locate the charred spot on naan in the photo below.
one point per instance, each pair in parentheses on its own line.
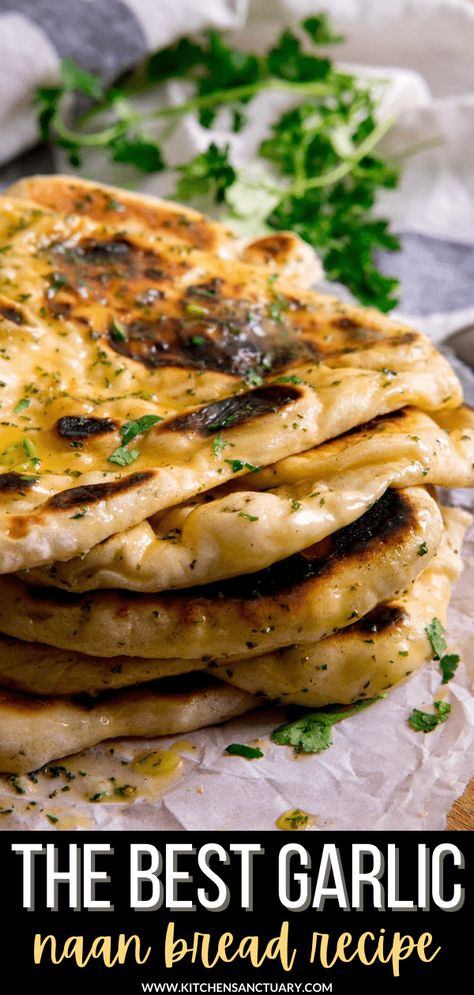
(15,483)
(92,493)
(109,207)
(76,497)
(382,618)
(114,272)
(22,704)
(238,409)
(225,334)
(84,427)
(9,312)
(387,522)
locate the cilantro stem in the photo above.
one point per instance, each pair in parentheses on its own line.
(334,175)
(203,102)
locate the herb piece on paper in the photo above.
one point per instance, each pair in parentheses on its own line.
(428,721)
(312,732)
(241,750)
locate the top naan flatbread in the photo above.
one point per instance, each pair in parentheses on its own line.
(101,326)
(243,527)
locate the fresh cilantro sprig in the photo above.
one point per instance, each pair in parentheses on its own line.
(312,733)
(324,172)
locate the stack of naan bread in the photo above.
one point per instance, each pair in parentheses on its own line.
(216,486)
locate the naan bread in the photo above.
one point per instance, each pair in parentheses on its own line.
(300,599)
(34,668)
(37,730)
(101,326)
(238,531)
(282,252)
(370,656)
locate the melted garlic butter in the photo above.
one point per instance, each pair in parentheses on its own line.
(107,774)
(295,820)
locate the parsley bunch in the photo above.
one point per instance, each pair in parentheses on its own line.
(319,172)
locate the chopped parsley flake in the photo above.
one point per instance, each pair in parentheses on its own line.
(118,331)
(435,633)
(123,456)
(238,464)
(79,514)
(292,379)
(24,403)
(248,518)
(137,427)
(240,750)
(422,549)
(196,311)
(218,445)
(448,666)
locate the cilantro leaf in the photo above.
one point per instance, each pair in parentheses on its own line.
(312,733)
(76,79)
(427,721)
(123,456)
(448,666)
(288,60)
(218,445)
(140,151)
(209,172)
(24,403)
(319,29)
(435,633)
(240,750)
(238,464)
(131,429)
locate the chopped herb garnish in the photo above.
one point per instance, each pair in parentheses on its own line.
(218,445)
(123,456)
(312,733)
(422,549)
(30,451)
(197,311)
(133,428)
(435,633)
(97,797)
(289,379)
(448,666)
(427,721)
(118,331)
(52,818)
(253,379)
(240,750)
(249,518)
(79,514)
(238,464)
(24,403)
(295,505)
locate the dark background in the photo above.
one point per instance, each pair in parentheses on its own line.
(451,930)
